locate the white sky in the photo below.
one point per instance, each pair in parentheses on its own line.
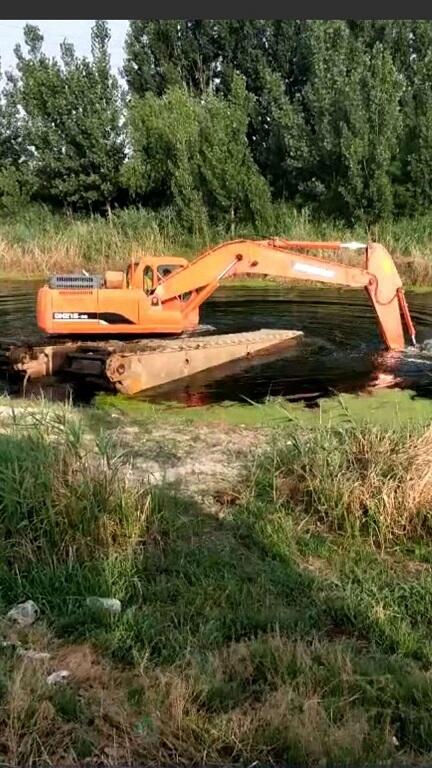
(54,32)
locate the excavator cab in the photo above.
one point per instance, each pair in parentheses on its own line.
(150,271)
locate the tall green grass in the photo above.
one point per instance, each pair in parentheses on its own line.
(294,625)
(355,479)
(38,241)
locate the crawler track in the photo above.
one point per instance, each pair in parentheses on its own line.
(133,366)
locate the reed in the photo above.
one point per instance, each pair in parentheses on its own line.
(39,242)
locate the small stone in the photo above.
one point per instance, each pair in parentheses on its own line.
(58,677)
(109,604)
(24,614)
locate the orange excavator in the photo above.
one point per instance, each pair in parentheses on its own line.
(161,297)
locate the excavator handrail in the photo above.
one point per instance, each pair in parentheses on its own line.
(317,245)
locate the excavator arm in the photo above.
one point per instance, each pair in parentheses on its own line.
(288,259)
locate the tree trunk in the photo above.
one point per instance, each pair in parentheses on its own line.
(232,227)
(109,211)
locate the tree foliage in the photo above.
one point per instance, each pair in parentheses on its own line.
(15,187)
(232,184)
(72,121)
(193,155)
(222,118)
(163,169)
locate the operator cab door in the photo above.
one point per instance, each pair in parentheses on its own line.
(153,275)
(149,283)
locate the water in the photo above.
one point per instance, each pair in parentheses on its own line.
(341,350)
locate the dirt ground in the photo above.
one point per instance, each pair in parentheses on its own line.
(206,460)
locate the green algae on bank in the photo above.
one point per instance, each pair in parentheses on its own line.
(384,407)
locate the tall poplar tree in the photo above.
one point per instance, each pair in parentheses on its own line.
(72,120)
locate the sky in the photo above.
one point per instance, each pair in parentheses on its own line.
(54,32)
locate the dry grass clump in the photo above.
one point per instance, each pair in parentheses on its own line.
(88,716)
(358,479)
(264,699)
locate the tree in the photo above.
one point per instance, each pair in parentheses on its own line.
(192,155)
(72,119)
(163,170)
(324,57)
(233,187)
(284,152)
(336,138)
(163,54)
(370,135)
(15,173)
(420,137)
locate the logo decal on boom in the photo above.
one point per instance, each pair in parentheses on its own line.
(309,269)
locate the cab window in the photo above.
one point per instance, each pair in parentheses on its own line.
(164,270)
(147,279)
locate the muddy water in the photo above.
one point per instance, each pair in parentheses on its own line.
(341,350)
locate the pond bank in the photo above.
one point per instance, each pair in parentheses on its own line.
(76,246)
(294,589)
(205,450)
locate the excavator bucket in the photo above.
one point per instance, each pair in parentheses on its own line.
(386,293)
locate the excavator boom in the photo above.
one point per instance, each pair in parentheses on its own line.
(280,258)
(154,298)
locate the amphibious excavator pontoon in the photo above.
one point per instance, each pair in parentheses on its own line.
(137,329)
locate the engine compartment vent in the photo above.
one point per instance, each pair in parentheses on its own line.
(76,281)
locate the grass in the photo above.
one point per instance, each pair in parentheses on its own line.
(290,623)
(357,480)
(38,242)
